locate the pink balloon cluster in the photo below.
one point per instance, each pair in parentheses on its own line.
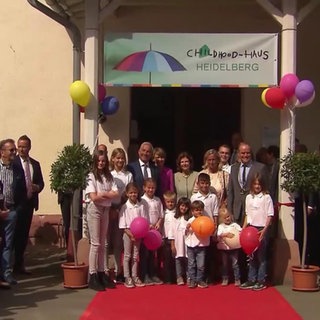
(291,89)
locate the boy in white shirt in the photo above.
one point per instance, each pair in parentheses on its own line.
(196,249)
(170,200)
(211,209)
(154,209)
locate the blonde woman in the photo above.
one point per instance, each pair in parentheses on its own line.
(219,178)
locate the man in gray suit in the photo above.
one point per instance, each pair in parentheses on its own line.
(240,180)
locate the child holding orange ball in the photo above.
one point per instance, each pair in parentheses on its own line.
(196,249)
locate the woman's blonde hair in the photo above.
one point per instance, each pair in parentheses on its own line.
(116,152)
(209,153)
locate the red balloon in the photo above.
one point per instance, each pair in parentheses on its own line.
(139,227)
(203,226)
(249,239)
(153,239)
(275,98)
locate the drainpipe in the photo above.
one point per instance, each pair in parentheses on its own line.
(76,40)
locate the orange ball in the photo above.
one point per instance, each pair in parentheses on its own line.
(203,226)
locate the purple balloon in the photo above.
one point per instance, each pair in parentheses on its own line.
(153,239)
(304,90)
(288,84)
(139,227)
(101,92)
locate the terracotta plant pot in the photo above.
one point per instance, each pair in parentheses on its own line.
(75,277)
(305,279)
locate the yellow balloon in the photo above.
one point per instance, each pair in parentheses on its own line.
(263,97)
(80,93)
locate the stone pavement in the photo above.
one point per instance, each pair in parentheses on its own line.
(41,296)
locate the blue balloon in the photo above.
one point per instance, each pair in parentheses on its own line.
(109,105)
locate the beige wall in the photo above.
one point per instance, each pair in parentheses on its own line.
(36,71)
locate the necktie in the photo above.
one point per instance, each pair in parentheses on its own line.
(244,175)
(145,171)
(27,174)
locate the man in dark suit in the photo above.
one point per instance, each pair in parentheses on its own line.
(34,185)
(240,180)
(14,193)
(143,168)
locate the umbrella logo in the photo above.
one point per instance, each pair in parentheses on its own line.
(149,61)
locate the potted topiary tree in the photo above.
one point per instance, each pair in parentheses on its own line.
(68,175)
(300,174)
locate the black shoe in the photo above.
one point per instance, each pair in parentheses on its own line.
(94,283)
(120,278)
(106,281)
(247,285)
(10,279)
(4,285)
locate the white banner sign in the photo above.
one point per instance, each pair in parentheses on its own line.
(214,60)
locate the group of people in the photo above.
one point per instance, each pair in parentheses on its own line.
(21,182)
(234,195)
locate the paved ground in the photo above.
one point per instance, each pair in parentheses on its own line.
(42,296)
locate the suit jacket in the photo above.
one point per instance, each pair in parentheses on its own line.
(135,169)
(36,178)
(237,194)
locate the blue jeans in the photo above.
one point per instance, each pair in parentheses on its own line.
(7,227)
(196,263)
(258,261)
(181,267)
(232,255)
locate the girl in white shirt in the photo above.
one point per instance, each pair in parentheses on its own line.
(128,212)
(259,212)
(177,236)
(122,178)
(100,190)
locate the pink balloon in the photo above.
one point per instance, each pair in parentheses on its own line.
(101,92)
(152,240)
(139,227)
(249,239)
(288,84)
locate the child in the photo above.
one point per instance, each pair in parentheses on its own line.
(100,190)
(130,210)
(211,209)
(121,177)
(168,259)
(177,234)
(196,249)
(259,212)
(227,229)
(209,199)
(155,215)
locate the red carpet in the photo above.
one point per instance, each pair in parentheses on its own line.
(168,302)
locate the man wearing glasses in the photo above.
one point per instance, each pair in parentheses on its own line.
(14,192)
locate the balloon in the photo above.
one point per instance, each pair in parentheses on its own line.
(263,97)
(110,105)
(139,227)
(275,98)
(288,84)
(203,226)
(304,90)
(306,103)
(80,93)
(234,242)
(101,92)
(152,240)
(249,239)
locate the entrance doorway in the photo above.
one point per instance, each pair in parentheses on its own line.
(185,119)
